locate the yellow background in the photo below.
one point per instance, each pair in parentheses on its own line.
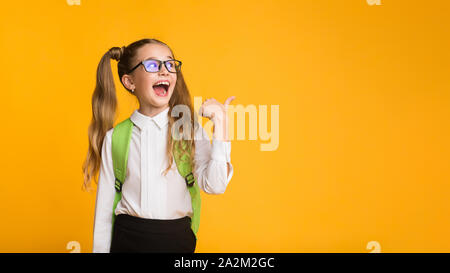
(364,104)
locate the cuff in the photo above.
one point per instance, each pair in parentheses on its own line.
(221,150)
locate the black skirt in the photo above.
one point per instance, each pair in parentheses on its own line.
(134,234)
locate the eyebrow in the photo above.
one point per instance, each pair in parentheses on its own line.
(170,57)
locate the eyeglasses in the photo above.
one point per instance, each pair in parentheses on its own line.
(152,65)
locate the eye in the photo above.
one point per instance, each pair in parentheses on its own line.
(151,65)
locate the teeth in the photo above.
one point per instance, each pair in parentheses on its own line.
(165,83)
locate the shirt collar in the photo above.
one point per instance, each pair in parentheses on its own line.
(142,121)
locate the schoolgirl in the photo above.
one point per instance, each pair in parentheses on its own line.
(154,213)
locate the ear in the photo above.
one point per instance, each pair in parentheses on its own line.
(127,81)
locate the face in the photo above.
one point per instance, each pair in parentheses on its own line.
(152,97)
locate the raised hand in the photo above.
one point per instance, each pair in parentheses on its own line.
(217,113)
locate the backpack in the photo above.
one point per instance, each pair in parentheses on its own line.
(120,147)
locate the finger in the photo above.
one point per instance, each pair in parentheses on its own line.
(210,102)
(229,100)
(202,112)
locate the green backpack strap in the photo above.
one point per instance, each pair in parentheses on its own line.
(184,165)
(120,147)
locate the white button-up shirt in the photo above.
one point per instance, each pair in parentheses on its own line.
(146,192)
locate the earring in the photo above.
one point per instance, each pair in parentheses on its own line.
(132,90)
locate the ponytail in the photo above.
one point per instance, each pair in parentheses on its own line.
(104,104)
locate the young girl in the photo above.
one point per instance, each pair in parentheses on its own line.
(155,211)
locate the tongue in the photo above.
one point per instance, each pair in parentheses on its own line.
(159,90)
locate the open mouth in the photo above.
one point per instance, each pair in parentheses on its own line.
(161,88)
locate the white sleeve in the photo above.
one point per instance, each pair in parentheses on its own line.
(211,163)
(105,199)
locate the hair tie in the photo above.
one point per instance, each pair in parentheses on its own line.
(117,52)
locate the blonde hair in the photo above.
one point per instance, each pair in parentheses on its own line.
(104,105)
